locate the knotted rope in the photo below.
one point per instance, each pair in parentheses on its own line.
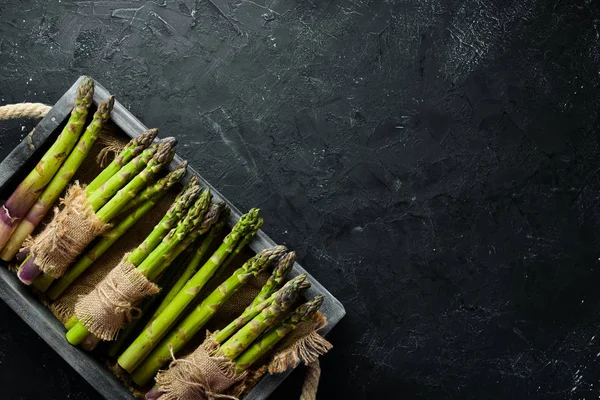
(24,110)
(311,381)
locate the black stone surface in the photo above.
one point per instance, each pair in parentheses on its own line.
(434,163)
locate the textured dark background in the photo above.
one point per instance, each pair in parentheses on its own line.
(434,162)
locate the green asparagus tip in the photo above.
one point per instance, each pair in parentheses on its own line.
(164,150)
(297,280)
(178,173)
(145,138)
(196,213)
(285,297)
(287,260)
(171,139)
(85,91)
(259,223)
(212,216)
(309,308)
(304,285)
(246,223)
(263,259)
(194,181)
(105,108)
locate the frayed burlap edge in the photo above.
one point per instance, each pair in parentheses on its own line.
(112,146)
(68,234)
(202,375)
(112,304)
(306,349)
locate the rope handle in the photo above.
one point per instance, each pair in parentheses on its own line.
(311,381)
(24,110)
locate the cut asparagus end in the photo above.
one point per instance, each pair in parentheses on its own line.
(154,394)
(29,271)
(77,334)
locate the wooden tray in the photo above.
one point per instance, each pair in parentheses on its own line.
(20,297)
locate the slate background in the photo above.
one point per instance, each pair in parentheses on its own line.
(434,163)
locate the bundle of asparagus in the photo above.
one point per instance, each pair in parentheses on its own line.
(213,223)
(195,377)
(87,214)
(151,196)
(58,183)
(266,311)
(19,203)
(149,259)
(145,342)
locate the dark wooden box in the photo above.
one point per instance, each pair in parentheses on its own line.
(22,300)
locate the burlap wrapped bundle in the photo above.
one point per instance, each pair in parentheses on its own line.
(111,305)
(202,375)
(71,230)
(205,375)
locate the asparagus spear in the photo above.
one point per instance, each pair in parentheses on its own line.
(108,189)
(131,150)
(272,337)
(201,314)
(243,243)
(211,216)
(30,188)
(264,301)
(168,222)
(194,263)
(58,183)
(151,266)
(150,192)
(150,336)
(164,155)
(276,279)
(282,301)
(160,189)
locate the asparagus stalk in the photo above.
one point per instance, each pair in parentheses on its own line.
(243,243)
(282,301)
(150,192)
(211,216)
(152,264)
(164,155)
(272,337)
(194,263)
(160,189)
(131,150)
(284,266)
(63,176)
(201,314)
(150,336)
(264,298)
(168,222)
(108,189)
(30,188)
